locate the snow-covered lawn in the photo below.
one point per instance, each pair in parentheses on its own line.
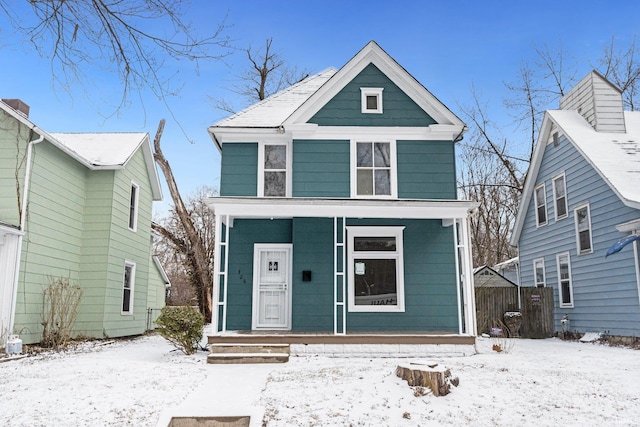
(142,382)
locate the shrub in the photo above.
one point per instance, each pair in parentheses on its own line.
(182,327)
(60,301)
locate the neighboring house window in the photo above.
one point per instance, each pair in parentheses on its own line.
(541,205)
(127,287)
(371,100)
(374,169)
(560,196)
(583,229)
(376,269)
(273,178)
(538,271)
(564,280)
(133,207)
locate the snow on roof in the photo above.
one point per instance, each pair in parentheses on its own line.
(274,110)
(102,149)
(616,156)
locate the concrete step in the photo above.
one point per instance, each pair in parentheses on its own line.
(241,358)
(248,348)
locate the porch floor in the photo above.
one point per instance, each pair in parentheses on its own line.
(288,337)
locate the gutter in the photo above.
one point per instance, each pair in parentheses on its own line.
(27,177)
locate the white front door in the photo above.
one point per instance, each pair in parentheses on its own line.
(272,286)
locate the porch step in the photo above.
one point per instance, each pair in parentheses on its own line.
(248,353)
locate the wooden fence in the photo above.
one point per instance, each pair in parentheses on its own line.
(536,306)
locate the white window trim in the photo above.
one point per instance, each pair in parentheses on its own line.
(535,200)
(575,215)
(393,175)
(371,91)
(135,207)
(398,255)
(571,304)
(261,169)
(131,264)
(555,198)
(535,275)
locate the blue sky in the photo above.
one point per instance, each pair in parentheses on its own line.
(446,45)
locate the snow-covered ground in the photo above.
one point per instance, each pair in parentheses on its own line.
(143,382)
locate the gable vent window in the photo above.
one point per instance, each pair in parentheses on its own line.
(371,99)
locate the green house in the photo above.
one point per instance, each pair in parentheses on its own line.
(76,207)
(338,209)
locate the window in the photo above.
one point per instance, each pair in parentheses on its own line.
(560,196)
(273,178)
(564,280)
(583,229)
(376,280)
(541,205)
(371,100)
(127,287)
(133,207)
(538,271)
(374,169)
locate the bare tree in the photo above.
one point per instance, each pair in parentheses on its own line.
(192,234)
(135,37)
(622,68)
(266,74)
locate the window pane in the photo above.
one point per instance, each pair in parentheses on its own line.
(382,154)
(539,274)
(374,243)
(275,184)
(585,241)
(375,282)
(126,300)
(372,102)
(275,156)
(540,196)
(364,154)
(383,182)
(581,215)
(561,206)
(365,182)
(566,292)
(542,215)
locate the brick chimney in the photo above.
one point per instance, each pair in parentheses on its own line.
(18,105)
(598,101)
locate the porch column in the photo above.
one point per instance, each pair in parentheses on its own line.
(221,253)
(469,289)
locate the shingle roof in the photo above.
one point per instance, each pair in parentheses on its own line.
(274,110)
(616,156)
(102,149)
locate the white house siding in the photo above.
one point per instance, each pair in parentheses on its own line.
(605,290)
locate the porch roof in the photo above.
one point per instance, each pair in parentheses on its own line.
(254,207)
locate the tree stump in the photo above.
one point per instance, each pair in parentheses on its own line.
(437,379)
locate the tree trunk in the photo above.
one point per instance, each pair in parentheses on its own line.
(196,253)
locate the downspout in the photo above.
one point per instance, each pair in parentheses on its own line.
(23,215)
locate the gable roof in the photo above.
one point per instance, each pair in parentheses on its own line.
(372,53)
(297,104)
(614,155)
(99,150)
(495,278)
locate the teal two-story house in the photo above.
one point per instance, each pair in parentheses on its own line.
(338,210)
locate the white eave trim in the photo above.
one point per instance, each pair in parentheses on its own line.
(253,207)
(433,132)
(632,226)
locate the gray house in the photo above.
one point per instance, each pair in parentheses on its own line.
(581,196)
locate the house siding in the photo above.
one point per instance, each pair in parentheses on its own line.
(426,170)
(321,168)
(54,225)
(344,109)
(429,267)
(239,169)
(13,155)
(604,290)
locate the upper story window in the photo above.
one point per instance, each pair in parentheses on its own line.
(538,271)
(127,287)
(133,207)
(565,286)
(560,196)
(541,205)
(374,172)
(583,229)
(272,176)
(376,269)
(371,99)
